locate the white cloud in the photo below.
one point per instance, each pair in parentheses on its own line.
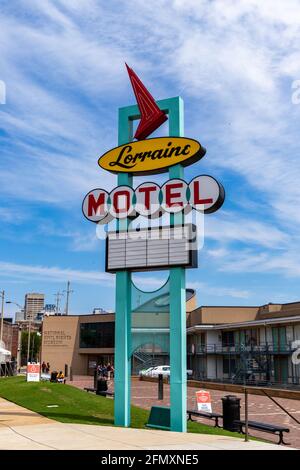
(63,63)
(219,291)
(155,282)
(233,227)
(232,56)
(285,264)
(53,274)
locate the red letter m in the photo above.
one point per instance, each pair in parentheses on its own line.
(96,207)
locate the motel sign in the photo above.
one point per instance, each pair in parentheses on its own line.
(169,247)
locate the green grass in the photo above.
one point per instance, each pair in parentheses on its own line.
(77,406)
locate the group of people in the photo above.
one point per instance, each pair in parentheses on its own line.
(55,376)
(45,367)
(106,371)
(60,377)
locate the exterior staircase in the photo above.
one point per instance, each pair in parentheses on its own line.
(144,360)
(249,366)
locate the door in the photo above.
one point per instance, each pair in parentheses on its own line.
(281,369)
(279,339)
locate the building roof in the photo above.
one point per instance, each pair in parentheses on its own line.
(249,324)
(238,316)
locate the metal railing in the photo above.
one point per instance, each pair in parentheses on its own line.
(8,368)
(290,382)
(265,348)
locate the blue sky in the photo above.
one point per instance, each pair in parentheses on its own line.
(233,63)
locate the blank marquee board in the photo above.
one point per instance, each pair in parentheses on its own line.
(155,248)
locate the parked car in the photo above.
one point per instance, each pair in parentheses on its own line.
(155,371)
(146,372)
(164,370)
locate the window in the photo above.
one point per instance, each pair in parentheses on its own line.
(251,337)
(229,366)
(97,335)
(227,338)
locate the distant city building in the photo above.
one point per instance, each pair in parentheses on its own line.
(20,315)
(34,304)
(11,338)
(50,308)
(99,311)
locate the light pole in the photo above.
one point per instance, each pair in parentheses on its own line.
(58,296)
(68,292)
(32,349)
(14,303)
(28,342)
(2,294)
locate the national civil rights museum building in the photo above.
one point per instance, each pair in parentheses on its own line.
(254,345)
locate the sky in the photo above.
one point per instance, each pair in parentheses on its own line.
(236,64)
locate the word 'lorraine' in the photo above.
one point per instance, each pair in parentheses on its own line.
(152,155)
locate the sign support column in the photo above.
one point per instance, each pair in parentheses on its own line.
(174,108)
(123,305)
(177,298)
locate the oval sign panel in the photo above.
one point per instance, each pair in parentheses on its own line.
(152,155)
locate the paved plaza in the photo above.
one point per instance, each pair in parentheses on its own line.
(144,394)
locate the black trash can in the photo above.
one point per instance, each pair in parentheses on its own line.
(231,412)
(101,386)
(53,376)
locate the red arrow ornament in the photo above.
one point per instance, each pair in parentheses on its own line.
(151,116)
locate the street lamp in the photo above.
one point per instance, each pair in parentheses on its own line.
(2,295)
(32,349)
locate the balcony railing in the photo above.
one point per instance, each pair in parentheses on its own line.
(263,348)
(289,382)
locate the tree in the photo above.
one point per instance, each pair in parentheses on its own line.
(35,346)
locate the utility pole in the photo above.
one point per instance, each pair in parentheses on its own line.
(58,296)
(28,342)
(32,350)
(19,347)
(68,292)
(2,294)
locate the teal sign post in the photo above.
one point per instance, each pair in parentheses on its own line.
(174,108)
(126,253)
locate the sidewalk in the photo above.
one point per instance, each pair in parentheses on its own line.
(15,415)
(23,429)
